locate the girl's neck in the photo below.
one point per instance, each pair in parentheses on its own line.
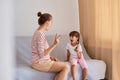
(73,44)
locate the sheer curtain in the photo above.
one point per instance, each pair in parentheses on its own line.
(100,28)
(116,39)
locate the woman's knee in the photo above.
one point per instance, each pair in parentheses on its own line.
(67,67)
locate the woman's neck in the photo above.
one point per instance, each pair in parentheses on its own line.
(41,28)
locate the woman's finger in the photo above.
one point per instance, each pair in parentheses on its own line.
(57,36)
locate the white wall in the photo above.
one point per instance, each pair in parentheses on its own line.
(65,16)
(6,40)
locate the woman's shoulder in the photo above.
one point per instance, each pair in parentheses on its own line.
(38,33)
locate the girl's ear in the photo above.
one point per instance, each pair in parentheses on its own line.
(78,41)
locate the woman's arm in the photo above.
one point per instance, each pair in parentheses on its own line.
(56,41)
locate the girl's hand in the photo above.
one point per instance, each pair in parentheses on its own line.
(56,41)
(76,49)
(79,55)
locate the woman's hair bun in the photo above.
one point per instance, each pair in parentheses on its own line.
(39,14)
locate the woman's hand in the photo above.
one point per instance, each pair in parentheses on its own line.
(66,60)
(53,58)
(56,41)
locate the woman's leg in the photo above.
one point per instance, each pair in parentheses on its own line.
(62,69)
(73,71)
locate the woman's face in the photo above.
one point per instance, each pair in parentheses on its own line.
(48,23)
(73,39)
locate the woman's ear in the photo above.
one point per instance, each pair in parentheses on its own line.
(48,23)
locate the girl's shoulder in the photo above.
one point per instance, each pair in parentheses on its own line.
(68,44)
(79,44)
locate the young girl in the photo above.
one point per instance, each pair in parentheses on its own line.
(74,54)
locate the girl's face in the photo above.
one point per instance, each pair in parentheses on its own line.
(48,23)
(73,39)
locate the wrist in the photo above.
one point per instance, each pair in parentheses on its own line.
(54,45)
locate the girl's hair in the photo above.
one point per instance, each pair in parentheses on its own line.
(76,34)
(43,18)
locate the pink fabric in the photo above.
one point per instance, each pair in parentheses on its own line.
(81,61)
(39,44)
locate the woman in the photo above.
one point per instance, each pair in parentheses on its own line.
(41,59)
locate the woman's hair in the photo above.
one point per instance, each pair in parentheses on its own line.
(76,34)
(43,18)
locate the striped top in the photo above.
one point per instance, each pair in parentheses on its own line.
(39,44)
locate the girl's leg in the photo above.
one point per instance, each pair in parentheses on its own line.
(73,71)
(84,73)
(73,68)
(62,69)
(84,68)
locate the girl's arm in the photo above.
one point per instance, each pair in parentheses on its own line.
(68,55)
(56,41)
(78,52)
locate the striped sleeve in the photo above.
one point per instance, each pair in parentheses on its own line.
(41,44)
